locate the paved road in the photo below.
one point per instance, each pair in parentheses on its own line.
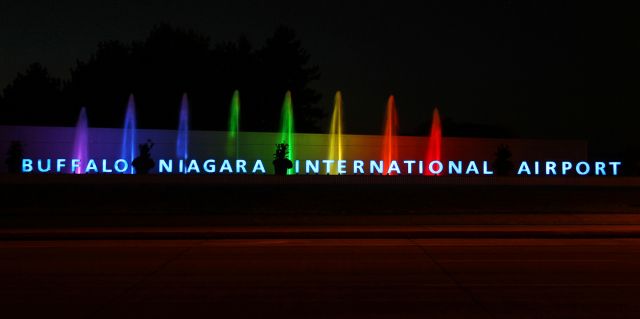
(321,278)
(589,231)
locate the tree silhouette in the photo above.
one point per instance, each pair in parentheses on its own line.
(102,83)
(15,154)
(170,62)
(281,161)
(33,98)
(283,61)
(502,163)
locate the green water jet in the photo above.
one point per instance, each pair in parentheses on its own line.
(233,136)
(287,128)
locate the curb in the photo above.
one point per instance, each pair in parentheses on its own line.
(328,233)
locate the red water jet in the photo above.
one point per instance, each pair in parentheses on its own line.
(390,140)
(435,142)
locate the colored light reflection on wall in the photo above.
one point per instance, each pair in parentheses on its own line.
(329,148)
(390,138)
(435,140)
(287,128)
(335,133)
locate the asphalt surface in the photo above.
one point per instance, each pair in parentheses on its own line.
(321,278)
(318,247)
(324,232)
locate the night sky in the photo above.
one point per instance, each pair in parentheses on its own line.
(545,69)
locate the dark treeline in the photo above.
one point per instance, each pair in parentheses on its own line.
(158,70)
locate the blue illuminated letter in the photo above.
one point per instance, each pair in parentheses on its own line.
(614,166)
(44,169)
(342,167)
(312,166)
(241,166)
(434,171)
(472,168)
(258,166)
(166,166)
(91,166)
(358,167)
(27,165)
(375,167)
(121,165)
(60,163)
(584,171)
(209,166)
(409,166)
(327,165)
(566,166)
(455,167)
(550,168)
(393,167)
(193,166)
(485,168)
(105,168)
(75,164)
(524,168)
(226,167)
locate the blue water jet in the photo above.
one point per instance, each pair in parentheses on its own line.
(128,149)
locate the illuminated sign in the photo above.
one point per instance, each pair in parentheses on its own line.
(325,166)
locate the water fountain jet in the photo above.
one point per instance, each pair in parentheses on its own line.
(81,142)
(390,138)
(128,148)
(335,133)
(287,128)
(435,141)
(233,136)
(182,142)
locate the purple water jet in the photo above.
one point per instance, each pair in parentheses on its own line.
(81,142)
(182,143)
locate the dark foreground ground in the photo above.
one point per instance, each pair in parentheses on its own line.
(318,247)
(321,278)
(304,196)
